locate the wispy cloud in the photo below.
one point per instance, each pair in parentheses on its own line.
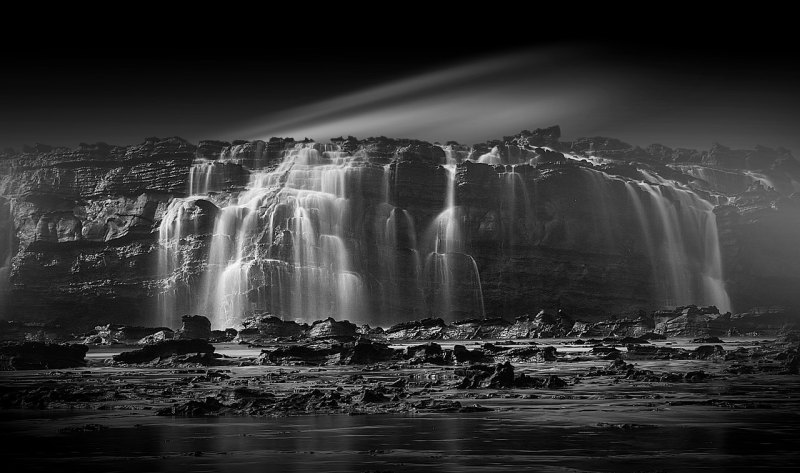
(478,100)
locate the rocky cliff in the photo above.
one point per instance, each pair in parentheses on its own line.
(381,231)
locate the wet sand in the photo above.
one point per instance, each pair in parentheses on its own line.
(729,422)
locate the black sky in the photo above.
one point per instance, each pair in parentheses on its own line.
(686,92)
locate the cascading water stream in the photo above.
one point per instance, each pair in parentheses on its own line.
(180,220)
(679,234)
(448,264)
(304,212)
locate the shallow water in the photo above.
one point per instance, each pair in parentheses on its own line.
(689,438)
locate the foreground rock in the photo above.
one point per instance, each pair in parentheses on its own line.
(37,356)
(201,351)
(503,376)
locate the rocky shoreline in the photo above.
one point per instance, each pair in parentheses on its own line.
(282,368)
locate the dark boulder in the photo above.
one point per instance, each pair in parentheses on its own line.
(462,355)
(474,377)
(427,353)
(194,327)
(503,376)
(38,355)
(366,352)
(705,352)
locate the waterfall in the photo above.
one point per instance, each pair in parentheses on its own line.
(679,235)
(321,235)
(180,220)
(517,203)
(287,245)
(205,177)
(7,249)
(449,266)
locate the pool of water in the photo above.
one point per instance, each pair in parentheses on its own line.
(600,438)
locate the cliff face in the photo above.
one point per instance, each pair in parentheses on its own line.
(382,231)
(83,225)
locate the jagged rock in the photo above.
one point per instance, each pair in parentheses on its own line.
(112,334)
(157,337)
(425,329)
(271,327)
(37,356)
(474,376)
(527,354)
(194,326)
(542,325)
(163,350)
(503,376)
(428,353)
(690,321)
(475,329)
(622,327)
(330,328)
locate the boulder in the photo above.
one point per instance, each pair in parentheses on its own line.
(163,350)
(330,328)
(194,327)
(428,353)
(38,356)
(271,327)
(157,337)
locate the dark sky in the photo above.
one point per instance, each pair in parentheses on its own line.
(448,85)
